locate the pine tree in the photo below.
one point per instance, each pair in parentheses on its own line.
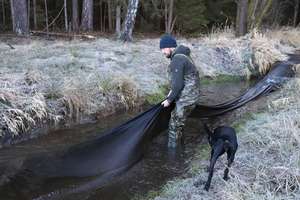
(190,15)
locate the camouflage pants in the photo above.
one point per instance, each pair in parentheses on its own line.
(177,121)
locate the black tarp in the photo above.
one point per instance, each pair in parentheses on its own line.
(124,145)
(279,73)
(120,148)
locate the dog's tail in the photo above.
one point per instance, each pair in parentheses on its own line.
(207,130)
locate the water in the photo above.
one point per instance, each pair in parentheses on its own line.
(157,167)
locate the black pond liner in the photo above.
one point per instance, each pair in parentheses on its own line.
(120,148)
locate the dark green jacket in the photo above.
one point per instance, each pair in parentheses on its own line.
(181,71)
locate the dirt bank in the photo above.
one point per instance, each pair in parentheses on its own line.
(59,82)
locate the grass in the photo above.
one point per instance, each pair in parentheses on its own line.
(157,96)
(34,98)
(286,35)
(74,52)
(239,124)
(150,195)
(224,78)
(267,163)
(265,52)
(43,81)
(201,155)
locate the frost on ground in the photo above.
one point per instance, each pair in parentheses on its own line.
(267,163)
(54,82)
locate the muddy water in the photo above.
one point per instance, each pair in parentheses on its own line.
(157,167)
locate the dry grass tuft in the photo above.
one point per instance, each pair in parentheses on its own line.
(265,52)
(128,91)
(21,114)
(123,87)
(17,121)
(33,76)
(286,35)
(73,104)
(219,33)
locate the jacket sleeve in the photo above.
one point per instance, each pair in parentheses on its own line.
(177,76)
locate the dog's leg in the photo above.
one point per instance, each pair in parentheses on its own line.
(211,156)
(217,152)
(211,171)
(230,158)
(227,169)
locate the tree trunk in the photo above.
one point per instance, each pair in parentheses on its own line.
(166,15)
(110,28)
(28,14)
(34,15)
(87,15)
(276,9)
(263,13)
(101,15)
(118,20)
(75,17)
(104,17)
(66,15)
(237,17)
(296,12)
(20,17)
(169,7)
(3,15)
(253,5)
(12,14)
(169,21)
(46,15)
(130,20)
(242,15)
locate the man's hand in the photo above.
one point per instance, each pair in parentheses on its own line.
(169,93)
(165,103)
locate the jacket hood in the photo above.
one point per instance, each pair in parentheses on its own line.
(181,50)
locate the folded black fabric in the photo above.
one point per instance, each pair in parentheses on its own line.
(118,149)
(124,145)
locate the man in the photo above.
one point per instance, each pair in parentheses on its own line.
(184,82)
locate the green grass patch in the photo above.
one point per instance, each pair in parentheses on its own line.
(221,79)
(202,152)
(74,52)
(157,96)
(106,84)
(238,126)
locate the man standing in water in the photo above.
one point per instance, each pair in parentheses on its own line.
(184,82)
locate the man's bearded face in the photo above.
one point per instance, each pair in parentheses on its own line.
(167,52)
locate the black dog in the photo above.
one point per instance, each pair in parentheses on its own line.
(222,140)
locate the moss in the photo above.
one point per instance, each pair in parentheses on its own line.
(221,79)
(238,126)
(157,96)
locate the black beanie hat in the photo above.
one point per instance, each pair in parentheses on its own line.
(167,41)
